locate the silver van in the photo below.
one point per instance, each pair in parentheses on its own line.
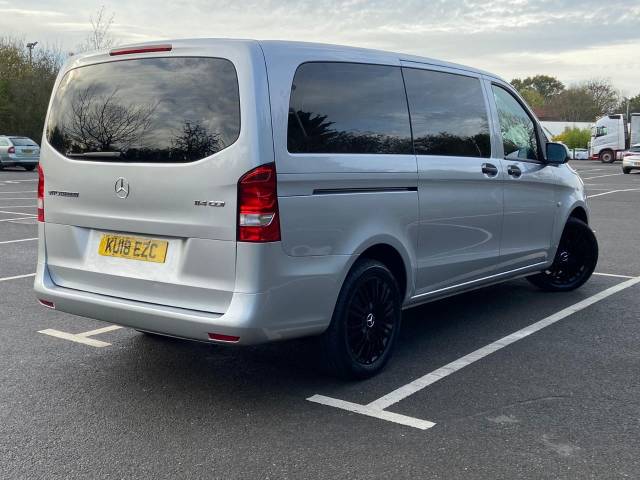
(240,191)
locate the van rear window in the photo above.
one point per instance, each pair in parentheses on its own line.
(155,110)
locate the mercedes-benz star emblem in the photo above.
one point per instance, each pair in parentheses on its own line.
(122,188)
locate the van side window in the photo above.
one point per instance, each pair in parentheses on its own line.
(518,131)
(448,114)
(348,108)
(4,143)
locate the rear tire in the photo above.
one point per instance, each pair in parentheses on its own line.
(365,323)
(626,170)
(607,156)
(575,259)
(29,168)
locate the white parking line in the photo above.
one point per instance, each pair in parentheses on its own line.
(32,206)
(19,240)
(614,191)
(378,407)
(18,191)
(613,275)
(18,213)
(15,277)
(16,198)
(18,181)
(30,217)
(82,337)
(602,176)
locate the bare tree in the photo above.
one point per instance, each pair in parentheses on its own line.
(100,36)
(102,123)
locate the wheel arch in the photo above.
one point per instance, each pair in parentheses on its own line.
(580,213)
(393,255)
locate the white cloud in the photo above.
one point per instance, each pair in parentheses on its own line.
(573,39)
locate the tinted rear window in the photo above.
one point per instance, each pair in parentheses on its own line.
(348,108)
(448,114)
(23,142)
(146,110)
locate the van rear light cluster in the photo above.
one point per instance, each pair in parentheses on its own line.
(141,49)
(40,194)
(11,150)
(258,218)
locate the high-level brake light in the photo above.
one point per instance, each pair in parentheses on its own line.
(141,49)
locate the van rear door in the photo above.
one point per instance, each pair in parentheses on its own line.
(141,163)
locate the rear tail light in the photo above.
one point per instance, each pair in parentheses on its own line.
(141,49)
(40,194)
(258,218)
(11,150)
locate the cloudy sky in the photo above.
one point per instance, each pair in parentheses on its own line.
(571,39)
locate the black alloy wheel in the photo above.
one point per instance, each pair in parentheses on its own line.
(575,259)
(365,322)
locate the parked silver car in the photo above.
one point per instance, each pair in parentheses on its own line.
(238,192)
(631,159)
(18,151)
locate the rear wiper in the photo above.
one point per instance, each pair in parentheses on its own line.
(95,155)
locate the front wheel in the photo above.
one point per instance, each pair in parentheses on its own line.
(626,171)
(29,168)
(574,262)
(607,156)
(365,322)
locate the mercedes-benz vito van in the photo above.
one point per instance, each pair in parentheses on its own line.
(239,191)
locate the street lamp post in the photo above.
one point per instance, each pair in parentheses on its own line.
(31,46)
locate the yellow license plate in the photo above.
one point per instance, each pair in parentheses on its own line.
(133,248)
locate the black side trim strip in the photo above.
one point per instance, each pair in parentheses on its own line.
(331,191)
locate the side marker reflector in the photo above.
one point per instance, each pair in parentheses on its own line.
(219,337)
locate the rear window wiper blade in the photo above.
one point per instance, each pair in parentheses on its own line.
(95,155)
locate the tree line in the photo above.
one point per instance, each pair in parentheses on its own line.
(582,102)
(27,78)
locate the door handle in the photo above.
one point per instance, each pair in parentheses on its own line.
(489,169)
(514,171)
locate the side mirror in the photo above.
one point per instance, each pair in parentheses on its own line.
(556,153)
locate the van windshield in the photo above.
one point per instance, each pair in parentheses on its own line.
(176,109)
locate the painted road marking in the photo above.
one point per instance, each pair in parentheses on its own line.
(613,275)
(614,191)
(18,213)
(19,240)
(15,277)
(18,191)
(602,176)
(378,407)
(34,206)
(30,217)
(16,198)
(372,412)
(18,181)
(83,337)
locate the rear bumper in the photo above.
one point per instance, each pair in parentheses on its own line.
(249,316)
(298,302)
(13,161)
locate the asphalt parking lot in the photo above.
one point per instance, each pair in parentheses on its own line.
(551,388)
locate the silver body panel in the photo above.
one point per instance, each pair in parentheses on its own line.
(454,228)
